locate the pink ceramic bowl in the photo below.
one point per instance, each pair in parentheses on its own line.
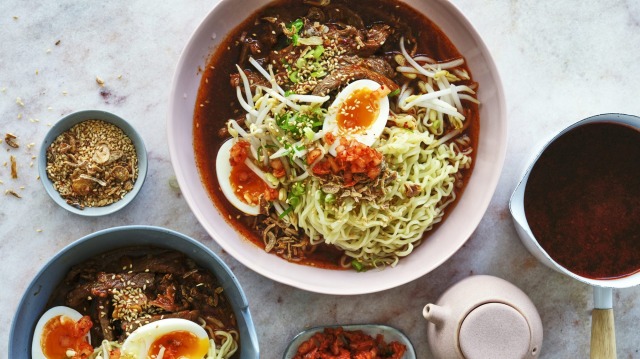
(443,243)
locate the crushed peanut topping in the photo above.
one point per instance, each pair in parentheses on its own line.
(93,164)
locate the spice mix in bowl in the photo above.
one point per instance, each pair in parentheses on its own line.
(92,163)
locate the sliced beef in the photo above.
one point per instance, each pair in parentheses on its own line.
(375,63)
(346,74)
(343,15)
(103,308)
(166,298)
(375,38)
(316,14)
(380,65)
(251,47)
(106,282)
(255,79)
(167,262)
(360,42)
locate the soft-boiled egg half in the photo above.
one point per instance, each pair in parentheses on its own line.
(173,337)
(55,334)
(239,184)
(360,111)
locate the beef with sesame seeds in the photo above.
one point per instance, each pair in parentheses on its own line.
(375,37)
(361,42)
(166,262)
(130,287)
(374,63)
(105,282)
(347,74)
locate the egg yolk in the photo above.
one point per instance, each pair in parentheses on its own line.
(180,344)
(359,110)
(246,184)
(60,334)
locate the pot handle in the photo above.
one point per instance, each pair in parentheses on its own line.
(603,331)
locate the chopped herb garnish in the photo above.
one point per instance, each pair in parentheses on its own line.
(359,267)
(296,25)
(396,92)
(297,125)
(318,51)
(293,76)
(330,198)
(294,197)
(295,28)
(285,212)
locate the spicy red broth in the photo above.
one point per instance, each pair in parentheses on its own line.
(582,200)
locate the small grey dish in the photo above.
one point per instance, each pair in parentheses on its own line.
(390,334)
(36,296)
(65,124)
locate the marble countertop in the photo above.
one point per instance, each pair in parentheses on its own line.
(560,61)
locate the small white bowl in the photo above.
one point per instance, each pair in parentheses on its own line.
(460,223)
(65,124)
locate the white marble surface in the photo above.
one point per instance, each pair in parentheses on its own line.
(560,61)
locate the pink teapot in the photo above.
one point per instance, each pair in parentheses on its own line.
(483,317)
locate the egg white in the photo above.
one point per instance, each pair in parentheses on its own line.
(36,348)
(371,134)
(223,171)
(138,343)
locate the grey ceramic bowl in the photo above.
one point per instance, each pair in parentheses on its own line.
(390,334)
(73,119)
(32,304)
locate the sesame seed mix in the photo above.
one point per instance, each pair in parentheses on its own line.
(93,164)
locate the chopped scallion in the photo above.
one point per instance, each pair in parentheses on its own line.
(318,51)
(359,267)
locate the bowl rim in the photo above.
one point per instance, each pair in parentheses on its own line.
(242,311)
(70,120)
(490,183)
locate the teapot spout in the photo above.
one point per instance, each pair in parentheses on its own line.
(435,314)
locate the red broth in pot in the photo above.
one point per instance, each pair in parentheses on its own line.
(582,200)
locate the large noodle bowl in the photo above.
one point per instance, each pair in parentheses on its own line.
(346,134)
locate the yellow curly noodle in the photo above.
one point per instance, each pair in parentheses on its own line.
(381,232)
(228,347)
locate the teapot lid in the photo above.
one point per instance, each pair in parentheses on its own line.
(494,330)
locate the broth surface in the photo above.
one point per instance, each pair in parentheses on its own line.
(582,200)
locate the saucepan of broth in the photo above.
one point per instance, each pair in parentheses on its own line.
(577,210)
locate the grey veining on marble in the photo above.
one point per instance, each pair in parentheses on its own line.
(560,61)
